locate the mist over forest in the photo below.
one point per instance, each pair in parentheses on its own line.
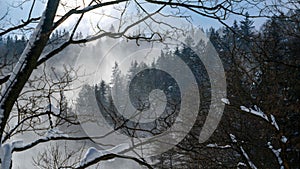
(146,99)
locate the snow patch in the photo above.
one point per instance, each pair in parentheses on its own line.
(5,156)
(276,153)
(248,159)
(283,139)
(1,115)
(6,153)
(251,164)
(119,148)
(215,145)
(241,164)
(55,133)
(17,144)
(256,112)
(93,153)
(226,101)
(273,122)
(233,138)
(52,109)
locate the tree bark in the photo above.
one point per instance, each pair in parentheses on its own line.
(27,63)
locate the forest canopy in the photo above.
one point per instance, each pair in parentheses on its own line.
(43,63)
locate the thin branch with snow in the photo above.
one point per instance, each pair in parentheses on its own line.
(244,153)
(277,154)
(94,156)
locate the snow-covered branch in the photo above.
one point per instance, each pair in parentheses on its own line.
(215,145)
(272,121)
(6,151)
(22,71)
(277,154)
(256,112)
(26,63)
(244,153)
(51,135)
(94,156)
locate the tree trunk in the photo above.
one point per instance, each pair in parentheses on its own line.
(26,63)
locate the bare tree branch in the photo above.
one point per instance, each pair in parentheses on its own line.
(19,26)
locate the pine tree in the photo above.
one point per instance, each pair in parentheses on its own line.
(86,102)
(132,70)
(9,41)
(102,91)
(214,39)
(116,76)
(117,86)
